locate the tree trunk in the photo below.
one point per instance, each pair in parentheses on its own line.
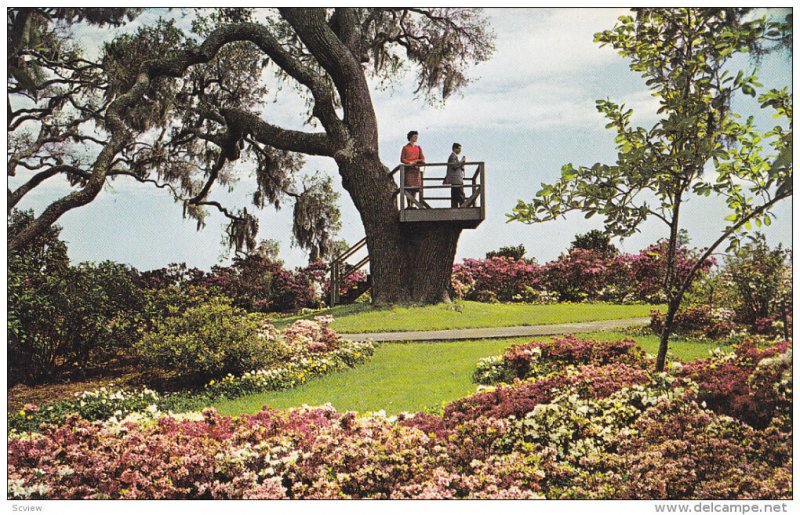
(409,262)
(672,308)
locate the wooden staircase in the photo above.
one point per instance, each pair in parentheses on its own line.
(341,270)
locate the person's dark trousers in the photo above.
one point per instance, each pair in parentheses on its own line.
(457,196)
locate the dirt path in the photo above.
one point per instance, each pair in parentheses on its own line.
(499,332)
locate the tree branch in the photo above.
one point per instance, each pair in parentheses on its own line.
(343,67)
(725,235)
(15,196)
(295,141)
(120,134)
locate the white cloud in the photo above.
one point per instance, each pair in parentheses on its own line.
(539,78)
(537,43)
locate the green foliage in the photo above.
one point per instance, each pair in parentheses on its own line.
(753,282)
(685,57)
(597,241)
(209,340)
(696,127)
(760,277)
(99,404)
(63,318)
(172,300)
(517,253)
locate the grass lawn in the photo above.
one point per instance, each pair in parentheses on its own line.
(414,376)
(361,318)
(680,349)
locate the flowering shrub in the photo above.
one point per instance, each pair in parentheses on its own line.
(254,282)
(580,274)
(521,397)
(293,373)
(677,450)
(209,340)
(750,385)
(350,282)
(99,404)
(697,321)
(311,336)
(577,275)
(309,453)
(310,348)
(596,431)
(504,277)
(760,277)
(644,272)
(576,427)
(538,359)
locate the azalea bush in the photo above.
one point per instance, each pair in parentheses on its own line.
(520,397)
(209,340)
(610,431)
(100,404)
(752,384)
(761,277)
(292,373)
(350,282)
(701,321)
(644,272)
(505,278)
(755,284)
(255,282)
(540,358)
(580,274)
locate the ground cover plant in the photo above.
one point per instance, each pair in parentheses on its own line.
(591,429)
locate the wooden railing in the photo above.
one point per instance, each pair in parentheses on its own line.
(473,187)
(341,270)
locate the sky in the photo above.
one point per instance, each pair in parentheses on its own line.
(529,110)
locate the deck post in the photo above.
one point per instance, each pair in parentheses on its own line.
(483,191)
(402,188)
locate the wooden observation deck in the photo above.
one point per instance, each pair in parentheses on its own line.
(427,208)
(433,204)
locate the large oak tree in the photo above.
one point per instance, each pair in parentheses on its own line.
(180,110)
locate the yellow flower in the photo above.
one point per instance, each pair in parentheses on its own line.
(211,382)
(22,413)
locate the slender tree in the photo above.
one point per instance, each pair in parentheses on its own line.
(180,112)
(699,147)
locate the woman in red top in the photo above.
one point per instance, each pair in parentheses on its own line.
(412,155)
